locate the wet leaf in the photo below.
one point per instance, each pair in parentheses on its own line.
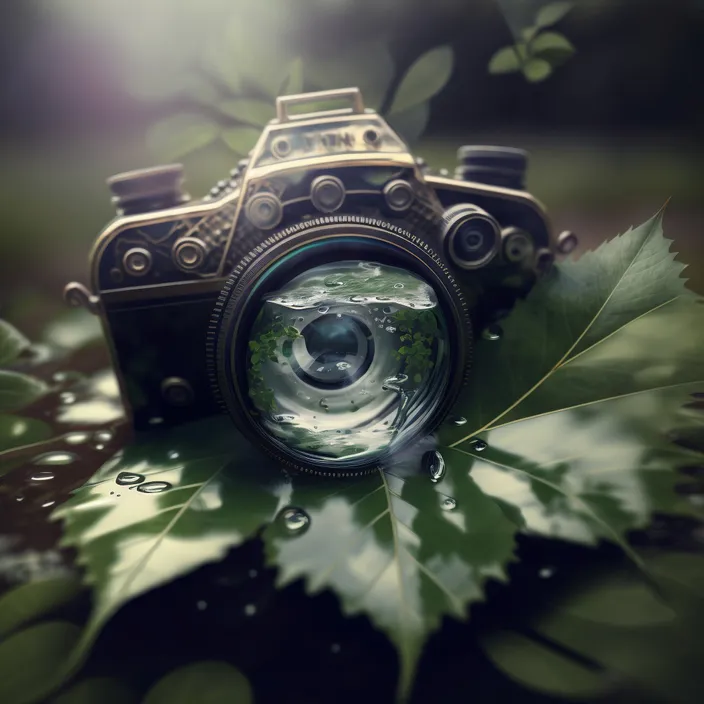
(426,78)
(34,600)
(16,432)
(253,112)
(165,505)
(98,690)
(12,343)
(552,13)
(175,136)
(19,390)
(32,658)
(536,70)
(389,548)
(203,682)
(505,60)
(240,139)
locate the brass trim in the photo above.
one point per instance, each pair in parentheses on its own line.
(352,95)
(162,291)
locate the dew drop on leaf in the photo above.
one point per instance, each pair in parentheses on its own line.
(478,445)
(493,332)
(173,455)
(434,464)
(459,420)
(42,476)
(448,504)
(55,459)
(67,398)
(77,438)
(295,520)
(154,487)
(129,478)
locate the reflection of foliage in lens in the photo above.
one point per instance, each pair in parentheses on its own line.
(262,348)
(418,330)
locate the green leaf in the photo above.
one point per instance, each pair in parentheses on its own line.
(426,78)
(536,70)
(19,390)
(32,658)
(164,506)
(16,432)
(536,666)
(204,682)
(73,330)
(410,124)
(253,112)
(390,549)
(12,343)
(552,47)
(33,600)
(580,393)
(181,134)
(552,13)
(505,60)
(98,690)
(294,81)
(240,139)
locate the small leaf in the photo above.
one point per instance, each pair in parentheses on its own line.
(552,47)
(538,667)
(527,33)
(35,599)
(240,139)
(253,112)
(181,134)
(131,541)
(34,659)
(536,70)
(426,77)
(12,343)
(207,682)
(73,330)
(99,690)
(552,13)
(410,124)
(294,81)
(16,432)
(505,60)
(19,390)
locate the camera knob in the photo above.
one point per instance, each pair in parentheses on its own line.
(148,189)
(495,166)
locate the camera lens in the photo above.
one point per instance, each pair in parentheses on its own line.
(473,237)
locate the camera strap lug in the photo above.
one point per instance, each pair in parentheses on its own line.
(79,296)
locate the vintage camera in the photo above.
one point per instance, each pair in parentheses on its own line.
(324,294)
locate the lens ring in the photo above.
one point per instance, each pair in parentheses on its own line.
(332,238)
(189,253)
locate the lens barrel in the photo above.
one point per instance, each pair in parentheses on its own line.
(472,237)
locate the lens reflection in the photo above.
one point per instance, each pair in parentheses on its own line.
(347,359)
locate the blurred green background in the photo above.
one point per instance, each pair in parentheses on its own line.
(605,94)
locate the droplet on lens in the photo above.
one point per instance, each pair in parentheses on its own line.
(459,420)
(55,458)
(390,328)
(324,403)
(478,445)
(398,285)
(388,310)
(42,476)
(434,464)
(295,520)
(342,366)
(284,418)
(129,478)
(154,487)
(493,332)
(323,309)
(448,504)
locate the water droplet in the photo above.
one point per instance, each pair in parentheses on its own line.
(459,420)
(284,418)
(390,328)
(67,397)
(42,476)
(295,519)
(339,315)
(358,299)
(343,365)
(320,369)
(323,309)
(448,504)
(76,438)
(48,503)
(250,610)
(324,403)
(434,464)
(398,285)
(335,648)
(129,478)
(201,605)
(253,573)
(154,487)
(388,310)
(173,455)
(478,445)
(55,459)
(104,436)
(332,282)
(546,572)
(493,332)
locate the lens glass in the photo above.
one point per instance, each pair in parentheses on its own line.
(347,360)
(474,240)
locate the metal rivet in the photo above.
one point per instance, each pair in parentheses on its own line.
(137,261)
(189,253)
(399,195)
(371,137)
(264,210)
(327,193)
(518,246)
(177,391)
(281,147)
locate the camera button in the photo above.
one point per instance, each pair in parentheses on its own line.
(137,261)
(177,391)
(399,195)
(327,193)
(264,210)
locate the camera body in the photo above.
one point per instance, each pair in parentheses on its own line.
(160,268)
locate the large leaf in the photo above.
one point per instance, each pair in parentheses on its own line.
(506,60)
(12,343)
(16,432)
(404,551)
(164,506)
(426,77)
(240,139)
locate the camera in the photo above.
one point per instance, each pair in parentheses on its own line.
(324,294)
